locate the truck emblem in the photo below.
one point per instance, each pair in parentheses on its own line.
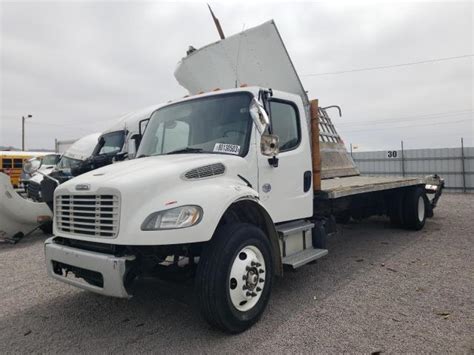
(266,187)
(83,187)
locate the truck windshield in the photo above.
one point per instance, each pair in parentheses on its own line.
(111,143)
(50,159)
(67,163)
(215,124)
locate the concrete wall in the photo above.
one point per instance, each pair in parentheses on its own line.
(446,162)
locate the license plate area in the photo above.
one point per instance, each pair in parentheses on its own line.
(65,270)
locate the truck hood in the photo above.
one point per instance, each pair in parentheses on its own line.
(254,57)
(152,170)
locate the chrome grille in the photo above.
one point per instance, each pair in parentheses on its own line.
(205,171)
(88,215)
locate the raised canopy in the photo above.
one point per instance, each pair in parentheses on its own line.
(255,57)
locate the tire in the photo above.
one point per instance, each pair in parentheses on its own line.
(396,209)
(47,227)
(415,206)
(236,251)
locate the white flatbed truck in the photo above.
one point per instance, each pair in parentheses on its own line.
(229,187)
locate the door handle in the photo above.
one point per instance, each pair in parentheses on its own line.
(307,180)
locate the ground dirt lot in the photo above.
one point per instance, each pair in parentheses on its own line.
(379,289)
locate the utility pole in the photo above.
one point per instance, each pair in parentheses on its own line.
(23,131)
(403,161)
(463,166)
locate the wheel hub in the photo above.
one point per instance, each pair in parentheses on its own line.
(247,278)
(252,278)
(421,209)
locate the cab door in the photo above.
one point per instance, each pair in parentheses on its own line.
(286,189)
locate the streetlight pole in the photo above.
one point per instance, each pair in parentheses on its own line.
(23,131)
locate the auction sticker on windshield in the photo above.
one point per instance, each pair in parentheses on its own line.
(227,148)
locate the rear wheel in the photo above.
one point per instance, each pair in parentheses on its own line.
(234,277)
(415,204)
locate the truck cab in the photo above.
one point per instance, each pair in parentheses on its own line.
(206,163)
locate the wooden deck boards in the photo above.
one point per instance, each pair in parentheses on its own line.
(346,186)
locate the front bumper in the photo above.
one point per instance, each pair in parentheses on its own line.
(62,261)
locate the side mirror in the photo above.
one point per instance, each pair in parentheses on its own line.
(133,144)
(259,116)
(121,156)
(269,145)
(31,166)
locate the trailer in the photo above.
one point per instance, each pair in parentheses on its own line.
(233,184)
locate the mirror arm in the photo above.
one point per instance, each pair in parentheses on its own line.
(263,96)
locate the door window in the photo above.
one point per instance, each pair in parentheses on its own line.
(285,124)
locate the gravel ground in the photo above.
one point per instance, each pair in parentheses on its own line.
(379,289)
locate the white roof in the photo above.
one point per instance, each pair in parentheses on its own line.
(83,147)
(255,57)
(130,120)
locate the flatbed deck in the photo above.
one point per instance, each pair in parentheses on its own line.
(353,185)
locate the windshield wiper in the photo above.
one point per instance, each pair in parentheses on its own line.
(185,150)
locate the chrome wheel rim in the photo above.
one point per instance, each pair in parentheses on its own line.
(421,208)
(247,278)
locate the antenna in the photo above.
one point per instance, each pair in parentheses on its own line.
(216,22)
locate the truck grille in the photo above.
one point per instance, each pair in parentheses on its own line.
(88,215)
(34,191)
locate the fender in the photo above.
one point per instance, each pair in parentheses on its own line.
(18,215)
(249,209)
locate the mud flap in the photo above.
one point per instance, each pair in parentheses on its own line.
(434,186)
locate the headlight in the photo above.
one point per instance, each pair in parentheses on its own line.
(179,217)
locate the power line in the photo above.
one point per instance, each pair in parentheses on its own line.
(430,116)
(409,126)
(392,66)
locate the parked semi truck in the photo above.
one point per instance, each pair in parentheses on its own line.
(77,153)
(117,143)
(230,186)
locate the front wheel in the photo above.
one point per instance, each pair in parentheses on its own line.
(234,277)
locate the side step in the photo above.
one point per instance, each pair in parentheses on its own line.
(303,257)
(289,228)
